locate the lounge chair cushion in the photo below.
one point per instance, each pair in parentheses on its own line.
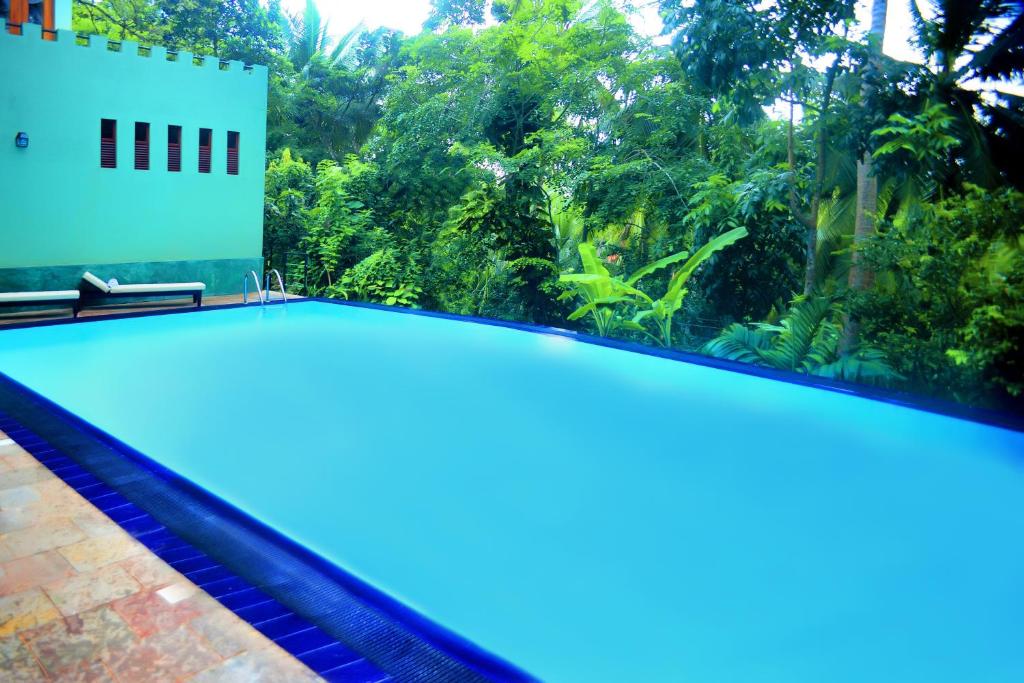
(152,288)
(54,295)
(96,282)
(159,287)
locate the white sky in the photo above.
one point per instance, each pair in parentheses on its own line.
(408,16)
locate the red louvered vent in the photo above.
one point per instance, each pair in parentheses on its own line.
(142,146)
(108,143)
(205,149)
(232,153)
(174,149)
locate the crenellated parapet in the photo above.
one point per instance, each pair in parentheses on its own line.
(65,39)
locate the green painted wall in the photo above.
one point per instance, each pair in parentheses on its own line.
(58,207)
(221,276)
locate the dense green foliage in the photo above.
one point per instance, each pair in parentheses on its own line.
(849,215)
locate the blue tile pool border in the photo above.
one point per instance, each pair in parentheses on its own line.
(463,651)
(995,418)
(323,654)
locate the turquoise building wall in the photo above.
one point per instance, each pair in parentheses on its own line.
(61,213)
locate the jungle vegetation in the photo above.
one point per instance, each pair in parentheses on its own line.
(760,183)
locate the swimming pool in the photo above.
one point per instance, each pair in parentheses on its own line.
(586,513)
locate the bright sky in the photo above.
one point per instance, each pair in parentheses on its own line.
(342,15)
(408,16)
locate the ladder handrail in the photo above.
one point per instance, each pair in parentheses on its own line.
(280,285)
(245,287)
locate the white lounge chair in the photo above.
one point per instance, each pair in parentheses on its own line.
(108,291)
(68,297)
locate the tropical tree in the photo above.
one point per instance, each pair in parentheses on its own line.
(606,296)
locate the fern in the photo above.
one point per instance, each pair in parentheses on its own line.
(805,340)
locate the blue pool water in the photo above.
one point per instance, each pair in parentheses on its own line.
(586,513)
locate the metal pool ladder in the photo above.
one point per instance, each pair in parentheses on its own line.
(245,287)
(280,285)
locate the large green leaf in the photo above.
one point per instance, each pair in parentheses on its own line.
(700,256)
(657,265)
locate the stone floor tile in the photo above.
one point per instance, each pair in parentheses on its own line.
(18,496)
(262,665)
(57,499)
(164,656)
(35,570)
(91,589)
(5,554)
(8,446)
(25,610)
(95,524)
(87,672)
(227,634)
(79,639)
(93,553)
(17,663)
(15,518)
(151,571)
(148,613)
(49,534)
(25,475)
(18,460)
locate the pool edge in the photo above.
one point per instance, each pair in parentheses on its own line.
(446,641)
(986,416)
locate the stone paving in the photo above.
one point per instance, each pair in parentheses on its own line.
(80,600)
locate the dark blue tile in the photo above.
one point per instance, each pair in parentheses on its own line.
(305,641)
(262,612)
(159,540)
(94,490)
(109,501)
(183,552)
(125,512)
(360,671)
(73,471)
(80,480)
(140,526)
(52,458)
(281,627)
(328,658)
(219,588)
(193,564)
(60,466)
(244,598)
(212,574)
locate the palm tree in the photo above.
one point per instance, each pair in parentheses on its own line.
(867,184)
(970,42)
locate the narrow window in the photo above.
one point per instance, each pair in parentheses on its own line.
(141,146)
(232,152)
(174,148)
(205,149)
(108,143)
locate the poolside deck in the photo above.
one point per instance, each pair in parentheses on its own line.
(133,307)
(82,600)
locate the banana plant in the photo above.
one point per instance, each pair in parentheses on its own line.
(605,296)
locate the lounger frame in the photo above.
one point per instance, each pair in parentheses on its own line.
(197,295)
(75,303)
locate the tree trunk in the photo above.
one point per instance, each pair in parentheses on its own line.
(867,184)
(821,151)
